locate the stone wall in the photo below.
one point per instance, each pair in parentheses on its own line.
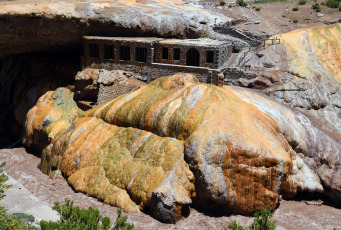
(156,70)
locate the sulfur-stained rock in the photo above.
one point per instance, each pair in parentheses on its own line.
(177,142)
(318,147)
(239,158)
(126,167)
(54,109)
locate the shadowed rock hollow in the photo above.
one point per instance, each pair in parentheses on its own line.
(191,144)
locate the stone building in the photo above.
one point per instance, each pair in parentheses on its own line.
(156,57)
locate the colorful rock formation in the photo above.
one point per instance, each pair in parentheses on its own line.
(177,142)
(126,167)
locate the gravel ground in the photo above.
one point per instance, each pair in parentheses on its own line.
(21,164)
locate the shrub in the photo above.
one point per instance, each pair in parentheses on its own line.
(257,9)
(302,2)
(283,16)
(230,6)
(222,3)
(332,3)
(295,21)
(234,225)
(121,222)
(340,8)
(262,221)
(3,186)
(241,3)
(295,9)
(11,222)
(323,3)
(73,217)
(316,7)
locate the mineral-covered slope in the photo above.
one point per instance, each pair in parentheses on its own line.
(126,167)
(177,142)
(304,71)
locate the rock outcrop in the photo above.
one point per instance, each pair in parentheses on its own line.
(303,71)
(100,85)
(177,142)
(59,26)
(126,167)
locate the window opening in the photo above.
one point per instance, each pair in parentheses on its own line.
(93,50)
(165,53)
(109,51)
(209,56)
(193,57)
(141,54)
(125,53)
(176,55)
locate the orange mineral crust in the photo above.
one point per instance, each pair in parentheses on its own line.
(236,152)
(168,145)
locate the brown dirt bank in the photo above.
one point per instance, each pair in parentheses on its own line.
(21,164)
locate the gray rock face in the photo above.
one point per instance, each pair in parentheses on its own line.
(19,200)
(100,85)
(303,71)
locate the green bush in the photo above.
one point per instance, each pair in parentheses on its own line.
(222,3)
(332,3)
(230,6)
(73,217)
(340,8)
(234,225)
(302,2)
(11,222)
(3,186)
(257,9)
(262,221)
(241,3)
(295,21)
(295,9)
(316,7)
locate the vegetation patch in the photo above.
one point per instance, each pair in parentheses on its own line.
(302,2)
(332,3)
(241,3)
(76,218)
(262,221)
(316,7)
(295,9)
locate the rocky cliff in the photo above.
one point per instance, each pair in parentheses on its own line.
(59,26)
(303,71)
(218,148)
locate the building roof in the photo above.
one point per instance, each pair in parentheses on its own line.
(193,42)
(128,39)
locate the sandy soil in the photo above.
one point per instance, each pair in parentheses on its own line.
(22,163)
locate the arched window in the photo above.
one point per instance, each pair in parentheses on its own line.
(193,57)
